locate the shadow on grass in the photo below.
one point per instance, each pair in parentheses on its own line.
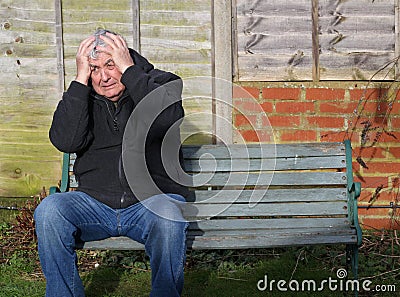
(116,282)
(224,278)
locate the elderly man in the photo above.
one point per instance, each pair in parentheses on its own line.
(90,120)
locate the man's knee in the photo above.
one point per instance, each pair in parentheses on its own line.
(165,208)
(51,209)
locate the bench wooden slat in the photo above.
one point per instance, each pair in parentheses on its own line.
(244,240)
(198,211)
(264,150)
(268,195)
(270,179)
(294,232)
(300,163)
(268,224)
(261,179)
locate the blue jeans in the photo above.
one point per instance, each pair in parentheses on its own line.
(63,218)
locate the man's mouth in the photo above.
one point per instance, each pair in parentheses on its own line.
(108,86)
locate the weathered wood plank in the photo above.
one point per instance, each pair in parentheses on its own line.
(269,224)
(242,242)
(219,242)
(35,5)
(188,32)
(175,5)
(234,165)
(198,211)
(176,18)
(260,67)
(272,25)
(282,44)
(277,8)
(256,151)
(272,179)
(268,195)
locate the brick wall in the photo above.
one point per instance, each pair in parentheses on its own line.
(337,111)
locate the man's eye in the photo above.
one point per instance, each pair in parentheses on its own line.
(94,68)
(110,66)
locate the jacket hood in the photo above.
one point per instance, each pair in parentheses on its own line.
(141,61)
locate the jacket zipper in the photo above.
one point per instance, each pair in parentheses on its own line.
(116,128)
(113,115)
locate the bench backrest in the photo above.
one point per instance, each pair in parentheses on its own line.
(283,181)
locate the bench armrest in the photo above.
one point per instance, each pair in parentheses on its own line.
(64,183)
(353,192)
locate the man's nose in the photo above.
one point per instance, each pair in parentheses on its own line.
(104,75)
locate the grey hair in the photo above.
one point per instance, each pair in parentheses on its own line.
(94,53)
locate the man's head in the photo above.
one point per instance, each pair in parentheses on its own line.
(105,76)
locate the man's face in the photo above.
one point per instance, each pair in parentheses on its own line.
(106,78)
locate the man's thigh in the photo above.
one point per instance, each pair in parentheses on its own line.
(92,219)
(137,220)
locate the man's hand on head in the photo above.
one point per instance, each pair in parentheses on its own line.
(118,50)
(82,60)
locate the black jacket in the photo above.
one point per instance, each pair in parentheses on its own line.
(91,126)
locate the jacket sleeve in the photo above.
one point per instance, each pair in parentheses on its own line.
(69,130)
(157,95)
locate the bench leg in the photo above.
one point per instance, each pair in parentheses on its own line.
(352,258)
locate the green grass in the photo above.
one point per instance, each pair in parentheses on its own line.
(227,273)
(7,215)
(209,274)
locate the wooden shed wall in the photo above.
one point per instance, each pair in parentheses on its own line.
(315,39)
(28,83)
(174,35)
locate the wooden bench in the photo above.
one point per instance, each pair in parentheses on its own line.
(263,196)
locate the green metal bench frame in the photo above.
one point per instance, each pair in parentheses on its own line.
(306,195)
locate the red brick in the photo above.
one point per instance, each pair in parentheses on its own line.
(245,92)
(284,121)
(380,212)
(245,120)
(299,135)
(394,151)
(281,93)
(326,122)
(395,107)
(267,107)
(249,105)
(377,109)
(395,123)
(324,94)
(371,182)
(367,94)
(257,136)
(379,223)
(383,167)
(340,107)
(294,107)
(375,121)
(387,137)
(369,152)
(385,196)
(333,136)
